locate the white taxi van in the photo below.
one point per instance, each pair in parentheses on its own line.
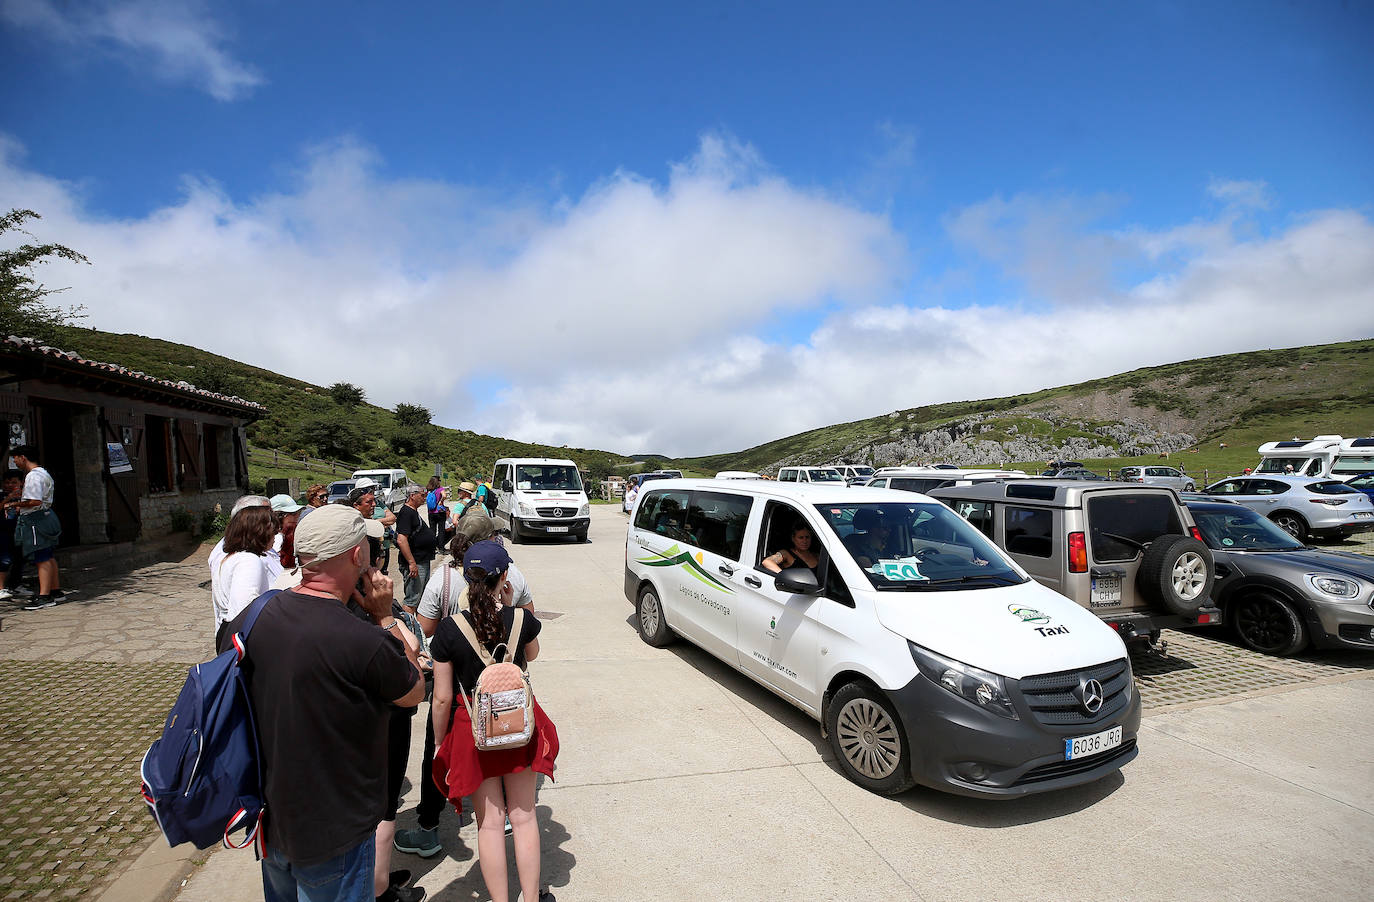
(926,654)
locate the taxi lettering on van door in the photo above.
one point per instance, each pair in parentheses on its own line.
(676,557)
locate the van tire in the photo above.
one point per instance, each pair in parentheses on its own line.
(1177,572)
(868,740)
(649,619)
(515,537)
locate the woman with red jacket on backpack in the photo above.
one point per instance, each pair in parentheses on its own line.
(501,782)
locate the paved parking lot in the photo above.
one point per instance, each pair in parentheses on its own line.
(680,779)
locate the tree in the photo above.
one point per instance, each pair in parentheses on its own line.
(23,307)
(413,431)
(332,435)
(212,376)
(346,394)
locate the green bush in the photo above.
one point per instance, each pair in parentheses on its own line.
(182,520)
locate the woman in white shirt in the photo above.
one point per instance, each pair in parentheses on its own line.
(245,572)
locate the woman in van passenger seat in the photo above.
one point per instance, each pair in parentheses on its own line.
(799,555)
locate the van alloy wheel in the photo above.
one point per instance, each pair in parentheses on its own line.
(1190,575)
(653,629)
(648,613)
(869,739)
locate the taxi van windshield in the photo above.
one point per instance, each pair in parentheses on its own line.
(917,547)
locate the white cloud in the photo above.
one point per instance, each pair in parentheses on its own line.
(1246,195)
(654,316)
(177,37)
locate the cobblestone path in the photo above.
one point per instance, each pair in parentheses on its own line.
(85,688)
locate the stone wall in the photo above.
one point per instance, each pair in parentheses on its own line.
(157,509)
(92,511)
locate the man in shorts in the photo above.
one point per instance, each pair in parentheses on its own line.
(39,529)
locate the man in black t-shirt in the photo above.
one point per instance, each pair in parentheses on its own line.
(416,539)
(323,684)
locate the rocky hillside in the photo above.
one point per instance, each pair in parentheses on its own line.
(1219,407)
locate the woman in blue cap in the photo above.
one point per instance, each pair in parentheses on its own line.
(501,782)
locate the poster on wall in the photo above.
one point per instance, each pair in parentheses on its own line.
(119,458)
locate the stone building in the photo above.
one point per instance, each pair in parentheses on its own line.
(125,449)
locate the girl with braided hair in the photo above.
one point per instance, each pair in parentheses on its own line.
(501,782)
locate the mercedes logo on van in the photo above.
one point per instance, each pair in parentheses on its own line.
(558,511)
(1090,694)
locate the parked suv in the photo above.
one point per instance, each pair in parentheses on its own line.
(1301,505)
(810,474)
(1174,478)
(1130,554)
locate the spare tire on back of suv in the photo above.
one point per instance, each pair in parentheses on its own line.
(1177,572)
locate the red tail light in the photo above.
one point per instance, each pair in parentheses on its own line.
(1197,534)
(1078,553)
(1204,618)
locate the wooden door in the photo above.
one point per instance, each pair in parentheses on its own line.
(124,522)
(188,455)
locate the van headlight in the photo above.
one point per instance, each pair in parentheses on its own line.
(986,690)
(585,510)
(526,510)
(1334,585)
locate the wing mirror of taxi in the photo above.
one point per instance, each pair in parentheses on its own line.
(798,581)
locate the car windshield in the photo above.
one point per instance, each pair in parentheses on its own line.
(824,476)
(1241,529)
(862,471)
(917,547)
(339,489)
(548,477)
(1282,465)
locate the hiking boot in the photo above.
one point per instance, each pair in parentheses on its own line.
(419,841)
(41,602)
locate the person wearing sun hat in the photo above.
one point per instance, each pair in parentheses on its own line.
(323,684)
(501,782)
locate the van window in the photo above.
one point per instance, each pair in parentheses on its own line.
(913,484)
(979,513)
(787,476)
(1137,519)
(779,520)
(548,477)
(916,546)
(717,520)
(1030,531)
(665,512)
(1352,466)
(1280,464)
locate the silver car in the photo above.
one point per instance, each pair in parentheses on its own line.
(1303,506)
(1172,477)
(1279,595)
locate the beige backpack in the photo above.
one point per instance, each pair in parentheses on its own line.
(502,702)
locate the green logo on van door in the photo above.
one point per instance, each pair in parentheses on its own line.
(676,557)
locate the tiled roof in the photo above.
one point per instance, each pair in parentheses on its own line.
(32,347)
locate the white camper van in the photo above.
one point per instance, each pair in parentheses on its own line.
(1325,457)
(540,496)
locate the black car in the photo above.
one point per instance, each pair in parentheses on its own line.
(1278,594)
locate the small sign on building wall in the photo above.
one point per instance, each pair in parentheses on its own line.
(119,458)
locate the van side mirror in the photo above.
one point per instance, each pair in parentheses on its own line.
(798,581)
(506,486)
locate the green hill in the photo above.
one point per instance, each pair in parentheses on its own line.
(1185,411)
(304,419)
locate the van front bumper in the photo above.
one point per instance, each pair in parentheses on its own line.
(960,748)
(535,526)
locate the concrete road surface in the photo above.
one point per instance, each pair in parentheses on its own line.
(680,779)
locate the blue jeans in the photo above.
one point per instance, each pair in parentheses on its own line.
(415,587)
(344,878)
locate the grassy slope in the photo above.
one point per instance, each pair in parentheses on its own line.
(462,452)
(1239,399)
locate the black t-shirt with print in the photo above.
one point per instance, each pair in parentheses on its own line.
(419,534)
(322,682)
(450,646)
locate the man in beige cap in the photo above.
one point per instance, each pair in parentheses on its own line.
(323,683)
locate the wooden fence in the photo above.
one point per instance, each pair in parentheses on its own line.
(304,462)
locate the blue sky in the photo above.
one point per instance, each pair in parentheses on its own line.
(1023,167)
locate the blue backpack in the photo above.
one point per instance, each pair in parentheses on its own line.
(203,779)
